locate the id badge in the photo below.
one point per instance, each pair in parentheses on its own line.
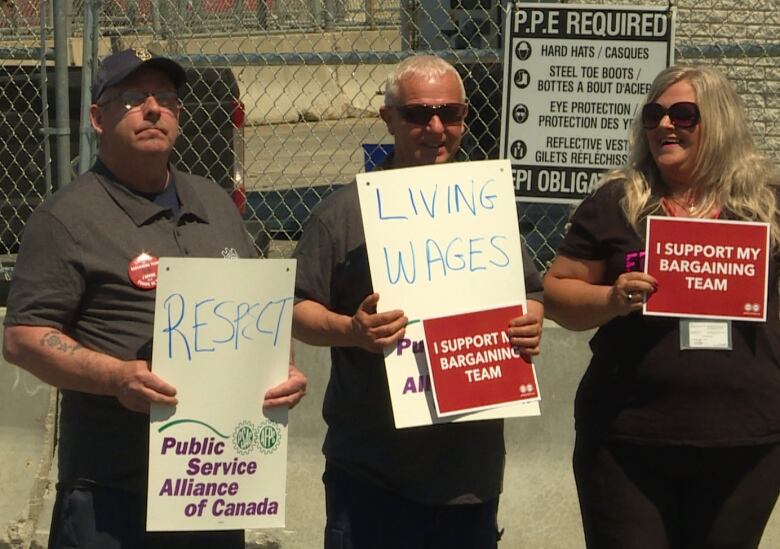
(696,334)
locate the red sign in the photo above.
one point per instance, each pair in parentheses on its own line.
(707,268)
(472,364)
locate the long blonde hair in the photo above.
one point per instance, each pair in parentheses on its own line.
(730,171)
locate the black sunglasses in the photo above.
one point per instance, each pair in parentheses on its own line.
(134,98)
(420,115)
(682,115)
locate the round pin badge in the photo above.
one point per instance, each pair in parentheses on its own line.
(143,271)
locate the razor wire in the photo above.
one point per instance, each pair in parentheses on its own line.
(302,81)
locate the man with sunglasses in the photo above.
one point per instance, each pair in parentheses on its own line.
(425,487)
(81,305)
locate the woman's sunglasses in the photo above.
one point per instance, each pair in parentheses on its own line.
(420,115)
(682,115)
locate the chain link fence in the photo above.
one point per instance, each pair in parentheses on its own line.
(309,77)
(193,17)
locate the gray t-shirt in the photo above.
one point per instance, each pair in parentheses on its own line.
(443,464)
(72,274)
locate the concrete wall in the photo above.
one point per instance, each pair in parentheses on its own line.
(278,94)
(538,510)
(328,92)
(26,451)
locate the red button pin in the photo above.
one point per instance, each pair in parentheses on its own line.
(143,271)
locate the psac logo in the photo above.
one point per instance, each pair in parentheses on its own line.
(229,253)
(265,437)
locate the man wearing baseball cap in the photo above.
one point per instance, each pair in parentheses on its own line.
(81,307)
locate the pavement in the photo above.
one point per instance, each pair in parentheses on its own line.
(307,154)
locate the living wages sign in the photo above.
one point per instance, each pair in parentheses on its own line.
(442,240)
(707,268)
(217,460)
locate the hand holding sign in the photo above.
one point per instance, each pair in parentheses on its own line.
(629,290)
(137,387)
(375,331)
(289,392)
(525,332)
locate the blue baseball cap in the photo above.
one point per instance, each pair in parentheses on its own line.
(118,66)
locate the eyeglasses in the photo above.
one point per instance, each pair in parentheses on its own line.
(682,115)
(134,98)
(420,115)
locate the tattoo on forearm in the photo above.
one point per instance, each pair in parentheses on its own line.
(53,340)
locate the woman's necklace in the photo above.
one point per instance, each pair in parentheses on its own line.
(676,208)
(688,205)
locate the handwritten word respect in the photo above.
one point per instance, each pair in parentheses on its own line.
(205,325)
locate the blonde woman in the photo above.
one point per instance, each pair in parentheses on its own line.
(675,448)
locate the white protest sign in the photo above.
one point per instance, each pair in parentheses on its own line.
(440,240)
(575,77)
(217,460)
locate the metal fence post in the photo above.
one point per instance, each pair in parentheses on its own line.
(409,34)
(44,16)
(371,14)
(62,129)
(314,11)
(166,10)
(155,14)
(238,13)
(328,14)
(262,14)
(86,135)
(132,12)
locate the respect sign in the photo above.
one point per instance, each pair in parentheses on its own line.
(707,268)
(217,460)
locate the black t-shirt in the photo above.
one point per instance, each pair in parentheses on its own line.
(446,463)
(640,386)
